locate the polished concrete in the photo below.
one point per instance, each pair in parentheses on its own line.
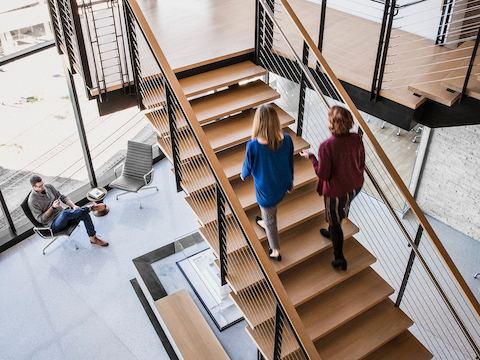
(71,304)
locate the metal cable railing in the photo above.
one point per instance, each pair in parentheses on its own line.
(433,45)
(410,256)
(272,320)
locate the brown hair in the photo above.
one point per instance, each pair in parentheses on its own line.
(340,120)
(266,125)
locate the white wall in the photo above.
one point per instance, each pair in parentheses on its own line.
(449,188)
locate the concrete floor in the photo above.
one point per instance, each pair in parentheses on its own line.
(80,305)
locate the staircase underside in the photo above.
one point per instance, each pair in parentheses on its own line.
(342,311)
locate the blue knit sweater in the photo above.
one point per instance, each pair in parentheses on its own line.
(272,170)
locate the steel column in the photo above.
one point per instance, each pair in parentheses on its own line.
(408,270)
(80,127)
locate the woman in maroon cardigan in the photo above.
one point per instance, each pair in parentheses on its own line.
(340,167)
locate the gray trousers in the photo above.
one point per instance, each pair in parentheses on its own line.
(269,216)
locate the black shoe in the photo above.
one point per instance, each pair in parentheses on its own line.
(257,220)
(325,233)
(340,263)
(278,258)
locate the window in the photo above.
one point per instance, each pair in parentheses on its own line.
(23,24)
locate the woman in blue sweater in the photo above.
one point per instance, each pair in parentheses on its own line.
(269,159)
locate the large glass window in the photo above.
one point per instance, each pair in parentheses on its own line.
(23,24)
(39,133)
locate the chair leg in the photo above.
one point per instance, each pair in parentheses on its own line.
(50,243)
(149,187)
(123,193)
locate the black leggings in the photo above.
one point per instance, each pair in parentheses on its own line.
(336,209)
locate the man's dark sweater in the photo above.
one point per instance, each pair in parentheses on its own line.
(340,165)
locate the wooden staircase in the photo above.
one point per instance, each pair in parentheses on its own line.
(347,314)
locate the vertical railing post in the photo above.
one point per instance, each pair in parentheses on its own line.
(470,65)
(7,214)
(258,30)
(447,8)
(222,234)
(303,89)
(133,45)
(321,29)
(81,46)
(173,137)
(279,323)
(408,270)
(52,10)
(382,50)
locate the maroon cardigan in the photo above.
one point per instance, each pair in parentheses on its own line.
(340,165)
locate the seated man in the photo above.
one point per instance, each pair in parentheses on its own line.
(44,202)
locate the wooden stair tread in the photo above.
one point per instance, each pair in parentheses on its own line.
(316,275)
(158,118)
(206,210)
(403,347)
(303,174)
(218,78)
(238,129)
(189,148)
(215,106)
(235,240)
(305,241)
(302,205)
(232,162)
(222,135)
(253,313)
(354,296)
(251,272)
(192,335)
(364,334)
(256,316)
(436,92)
(264,338)
(204,82)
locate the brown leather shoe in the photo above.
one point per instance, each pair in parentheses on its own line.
(99,242)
